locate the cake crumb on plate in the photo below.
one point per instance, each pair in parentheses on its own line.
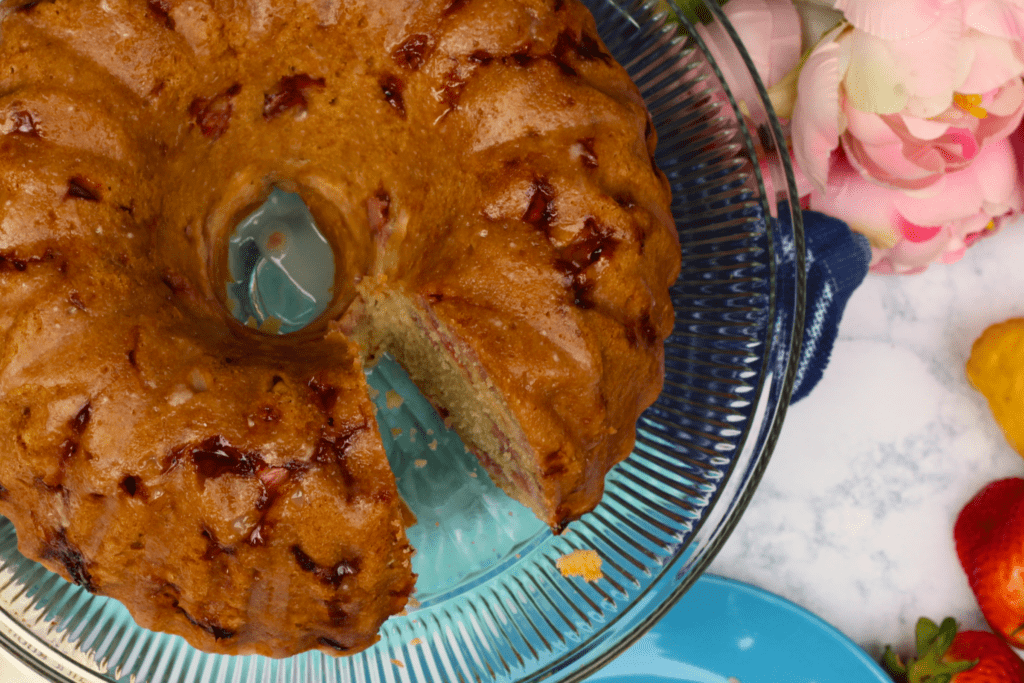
(584,563)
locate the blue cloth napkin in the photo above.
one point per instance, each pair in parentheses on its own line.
(837,261)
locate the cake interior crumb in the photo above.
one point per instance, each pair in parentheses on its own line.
(449,374)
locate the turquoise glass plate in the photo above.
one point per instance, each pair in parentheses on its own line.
(281,266)
(724,631)
(492,604)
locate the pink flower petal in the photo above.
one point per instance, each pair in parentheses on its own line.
(995,18)
(786,42)
(874,82)
(914,232)
(987,231)
(933,64)
(892,167)
(1005,111)
(815,124)
(912,257)
(880,265)
(989,181)
(890,20)
(909,231)
(866,208)
(1017,142)
(804,186)
(996,61)
(924,129)
(769,31)
(870,129)
(995,170)
(734,71)
(883,150)
(1005,101)
(954,255)
(965,139)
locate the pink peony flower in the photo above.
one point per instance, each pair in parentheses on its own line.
(906,110)
(908,231)
(901,115)
(903,121)
(914,153)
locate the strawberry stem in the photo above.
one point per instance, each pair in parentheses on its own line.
(933,641)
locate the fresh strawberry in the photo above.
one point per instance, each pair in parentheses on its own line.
(945,656)
(989,536)
(980,517)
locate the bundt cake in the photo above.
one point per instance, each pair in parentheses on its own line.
(483,171)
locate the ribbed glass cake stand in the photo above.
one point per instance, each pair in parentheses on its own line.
(492,604)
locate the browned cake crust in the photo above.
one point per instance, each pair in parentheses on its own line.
(483,170)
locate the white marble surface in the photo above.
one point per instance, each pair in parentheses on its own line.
(853,519)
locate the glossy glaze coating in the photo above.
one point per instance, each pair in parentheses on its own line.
(484,161)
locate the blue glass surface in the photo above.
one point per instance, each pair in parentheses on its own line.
(724,631)
(468,530)
(282,268)
(513,617)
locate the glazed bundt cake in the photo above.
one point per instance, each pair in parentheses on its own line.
(483,171)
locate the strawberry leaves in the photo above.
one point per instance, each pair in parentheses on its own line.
(945,655)
(930,666)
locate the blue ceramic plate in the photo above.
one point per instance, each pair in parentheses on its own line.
(724,631)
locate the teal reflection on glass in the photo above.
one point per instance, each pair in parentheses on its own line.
(282,268)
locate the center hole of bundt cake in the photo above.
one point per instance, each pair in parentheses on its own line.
(281,266)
